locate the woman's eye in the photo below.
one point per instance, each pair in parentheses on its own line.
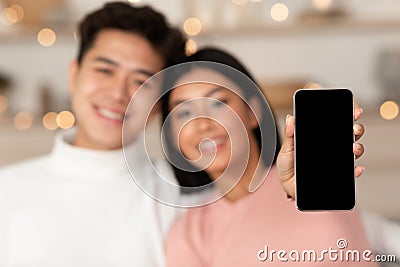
(183,114)
(219,103)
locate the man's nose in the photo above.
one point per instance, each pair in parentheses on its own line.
(121,90)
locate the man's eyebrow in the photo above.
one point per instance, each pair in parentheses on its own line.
(213,91)
(114,63)
(106,60)
(145,72)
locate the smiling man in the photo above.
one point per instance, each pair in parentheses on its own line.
(78,206)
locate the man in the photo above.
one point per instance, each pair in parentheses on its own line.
(78,206)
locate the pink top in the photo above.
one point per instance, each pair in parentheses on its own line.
(252,230)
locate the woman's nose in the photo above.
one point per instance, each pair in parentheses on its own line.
(204,124)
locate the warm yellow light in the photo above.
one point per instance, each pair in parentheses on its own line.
(192,26)
(279,12)
(9,16)
(312,85)
(19,11)
(322,5)
(23,121)
(49,121)
(389,110)
(65,119)
(256,1)
(191,47)
(239,2)
(46,37)
(3,103)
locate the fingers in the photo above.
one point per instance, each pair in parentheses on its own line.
(358,130)
(358,170)
(357,113)
(358,150)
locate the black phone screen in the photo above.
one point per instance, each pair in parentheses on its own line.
(324,159)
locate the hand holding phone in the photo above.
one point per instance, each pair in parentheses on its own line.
(323,141)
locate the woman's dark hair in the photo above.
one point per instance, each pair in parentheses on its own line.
(169,42)
(215,55)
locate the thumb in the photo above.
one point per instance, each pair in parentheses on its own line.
(288,137)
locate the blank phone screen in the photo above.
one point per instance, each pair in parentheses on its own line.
(324,159)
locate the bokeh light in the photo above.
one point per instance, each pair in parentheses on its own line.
(191,47)
(389,110)
(49,121)
(322,5)
(23,121)
(192,26)
(46,37)
(65,119)
(9,16)
(19,11)
(279,12)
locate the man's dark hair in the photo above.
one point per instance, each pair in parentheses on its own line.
(168,41)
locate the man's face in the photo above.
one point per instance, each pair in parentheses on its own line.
(102,86)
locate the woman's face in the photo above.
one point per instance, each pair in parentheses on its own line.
(211,125)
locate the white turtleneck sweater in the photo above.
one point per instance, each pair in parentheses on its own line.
(79,207)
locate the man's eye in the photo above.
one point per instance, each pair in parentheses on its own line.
(139,82)
(143,83)
(104,71)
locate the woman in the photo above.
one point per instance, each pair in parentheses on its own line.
(218,131)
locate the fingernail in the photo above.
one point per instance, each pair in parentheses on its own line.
(287,119)
(361,110)
(357,128)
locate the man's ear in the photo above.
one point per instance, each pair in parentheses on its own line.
(255,112)
(73,75)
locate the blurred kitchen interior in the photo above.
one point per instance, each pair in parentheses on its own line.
(287,45)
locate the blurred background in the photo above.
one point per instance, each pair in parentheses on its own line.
(286,45)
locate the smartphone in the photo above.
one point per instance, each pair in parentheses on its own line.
(323,142)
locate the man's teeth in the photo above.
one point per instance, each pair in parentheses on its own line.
(110,114)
